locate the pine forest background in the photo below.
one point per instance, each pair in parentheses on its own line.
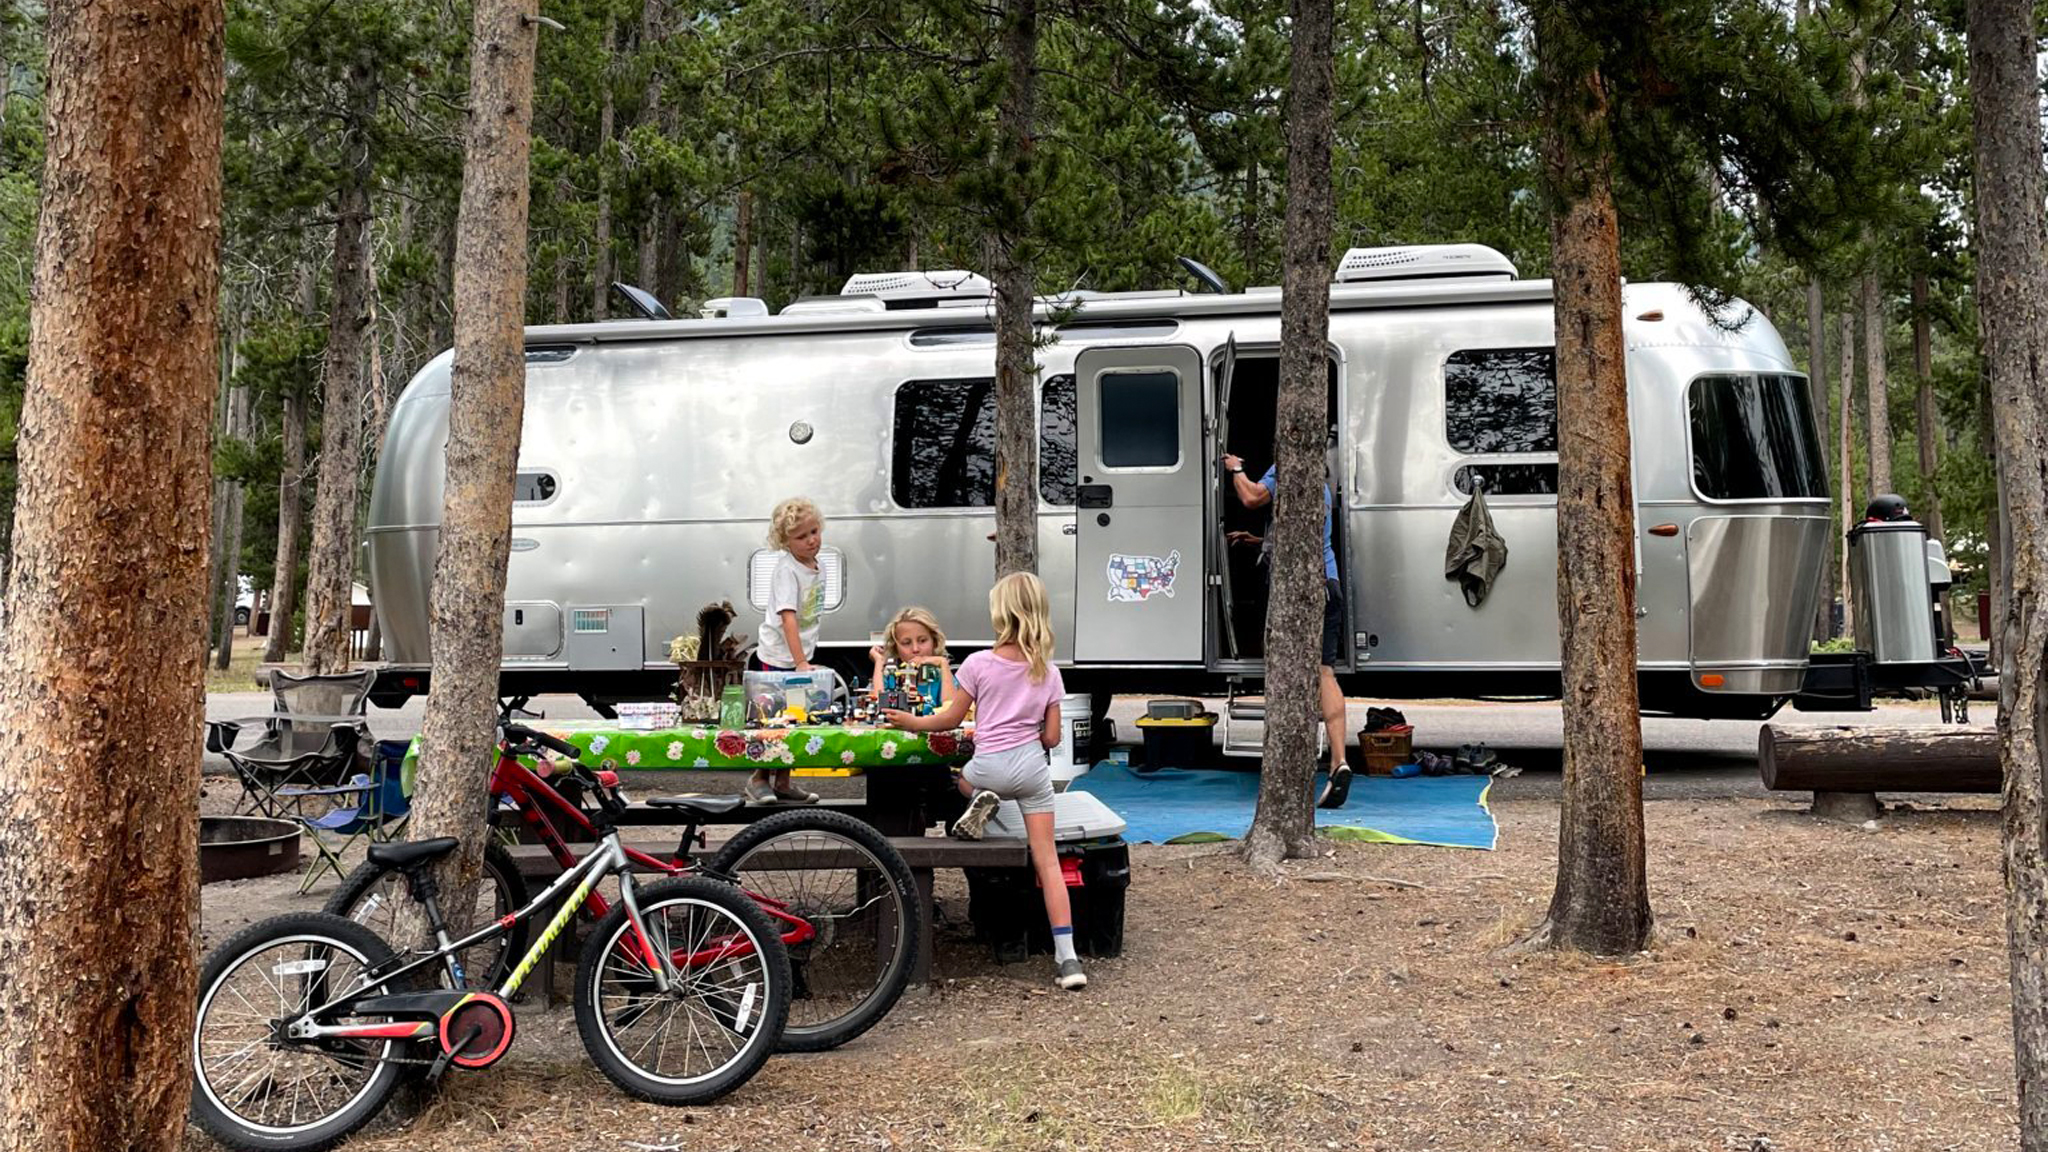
(772,148)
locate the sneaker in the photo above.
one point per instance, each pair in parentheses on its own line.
(794,795)
(1069,975)
(972,821)
(758,792)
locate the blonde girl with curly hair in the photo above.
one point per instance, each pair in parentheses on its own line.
(1015,691)
(789,633)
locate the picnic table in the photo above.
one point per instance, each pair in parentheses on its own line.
(904,771)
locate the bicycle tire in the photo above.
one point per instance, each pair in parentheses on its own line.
(500,871)
(753,1009)
(804,1034)
(317,930)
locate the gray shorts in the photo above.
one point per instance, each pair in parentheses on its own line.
(1019,774)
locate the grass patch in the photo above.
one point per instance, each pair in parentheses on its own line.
(240,674)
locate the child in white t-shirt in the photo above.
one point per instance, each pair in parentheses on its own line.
(789,634)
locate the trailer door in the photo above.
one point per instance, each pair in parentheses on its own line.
(1141,517)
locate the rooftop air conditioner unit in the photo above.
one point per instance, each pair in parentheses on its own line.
(900,289)
(1424,262)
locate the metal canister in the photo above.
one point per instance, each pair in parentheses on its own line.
(1894,601)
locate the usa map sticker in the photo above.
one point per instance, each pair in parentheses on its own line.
(1134,578)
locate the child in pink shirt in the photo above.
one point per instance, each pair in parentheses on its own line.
(1015,692)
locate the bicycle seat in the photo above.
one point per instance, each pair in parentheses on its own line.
(698,807)
(412,854)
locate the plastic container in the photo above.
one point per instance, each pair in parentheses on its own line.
(1067,757)
(790,696)
(1178,743)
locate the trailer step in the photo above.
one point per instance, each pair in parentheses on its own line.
(1244,729)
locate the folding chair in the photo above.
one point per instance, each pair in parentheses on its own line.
(316,738)
(379,809)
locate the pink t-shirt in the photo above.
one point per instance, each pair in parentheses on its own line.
(1009,709)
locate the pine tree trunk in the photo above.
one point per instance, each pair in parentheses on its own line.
(742,240)
(1817,387)
(331,562)
(1994,532)
(231,522)
(562,196)
(1602,901)
(2012,303)
(1284,824)
(486,402)
(601,258)
(1012,273)
(290,505)
(1927,415)
(101,661)
(650,113)
(1877,420)
(1845,393)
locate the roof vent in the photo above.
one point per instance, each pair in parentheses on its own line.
(1424,262)
(733,307)
(918,289)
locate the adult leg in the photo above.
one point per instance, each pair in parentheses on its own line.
(1333,712)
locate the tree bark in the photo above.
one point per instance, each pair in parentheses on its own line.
(601,258)
(2012,304)
(1809,757)
(331,562)
(1845,392)
(486,404)
(290,505)
(101,660)
(1013,272)
(650,113)
(742,240)
(231,522)
(1877,420)
(1927,415)
(1817,387)
(562,197)
(1602,901)
(1284,824)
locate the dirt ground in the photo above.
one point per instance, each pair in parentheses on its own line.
(1814,986)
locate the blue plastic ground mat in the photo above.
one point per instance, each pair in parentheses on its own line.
(1174,805)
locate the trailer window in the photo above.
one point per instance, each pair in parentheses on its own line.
(1508,479)
(1057,471)
(1754,438)
(945,444)
(1501,400)
(1140,419)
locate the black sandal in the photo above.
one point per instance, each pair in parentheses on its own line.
(1337,789)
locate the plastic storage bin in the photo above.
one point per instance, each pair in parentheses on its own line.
(1068,758)
(773,696)
(1177,742)
(1006,907)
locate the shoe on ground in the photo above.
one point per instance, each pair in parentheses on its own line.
(971,822)
(1069,976)
(1337,788)
(758,792)
(794,796)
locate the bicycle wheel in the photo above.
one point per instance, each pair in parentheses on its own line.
(372,896)
(854,889)
(251,1091)
(716,1025)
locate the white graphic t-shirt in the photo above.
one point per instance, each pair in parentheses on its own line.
(798,589)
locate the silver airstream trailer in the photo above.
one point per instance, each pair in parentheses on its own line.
(653,451)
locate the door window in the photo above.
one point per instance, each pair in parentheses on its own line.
(1139,415)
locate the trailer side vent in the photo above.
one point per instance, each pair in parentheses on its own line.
(1424,262)
(590,619)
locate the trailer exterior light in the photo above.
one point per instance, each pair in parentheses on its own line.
(1712,680)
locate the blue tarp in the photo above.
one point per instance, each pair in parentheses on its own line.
(1173,804)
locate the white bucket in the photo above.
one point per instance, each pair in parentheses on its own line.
(1068,756)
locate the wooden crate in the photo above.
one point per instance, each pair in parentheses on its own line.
(1383,750)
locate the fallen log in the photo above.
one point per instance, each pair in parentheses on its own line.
(1954,758)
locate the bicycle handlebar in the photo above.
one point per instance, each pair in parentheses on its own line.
(520,734)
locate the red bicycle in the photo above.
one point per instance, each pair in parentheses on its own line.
(840,893)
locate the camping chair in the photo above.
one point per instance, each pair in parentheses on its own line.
(316,738)
(379,808)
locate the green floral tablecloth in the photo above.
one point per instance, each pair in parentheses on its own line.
(841,750)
